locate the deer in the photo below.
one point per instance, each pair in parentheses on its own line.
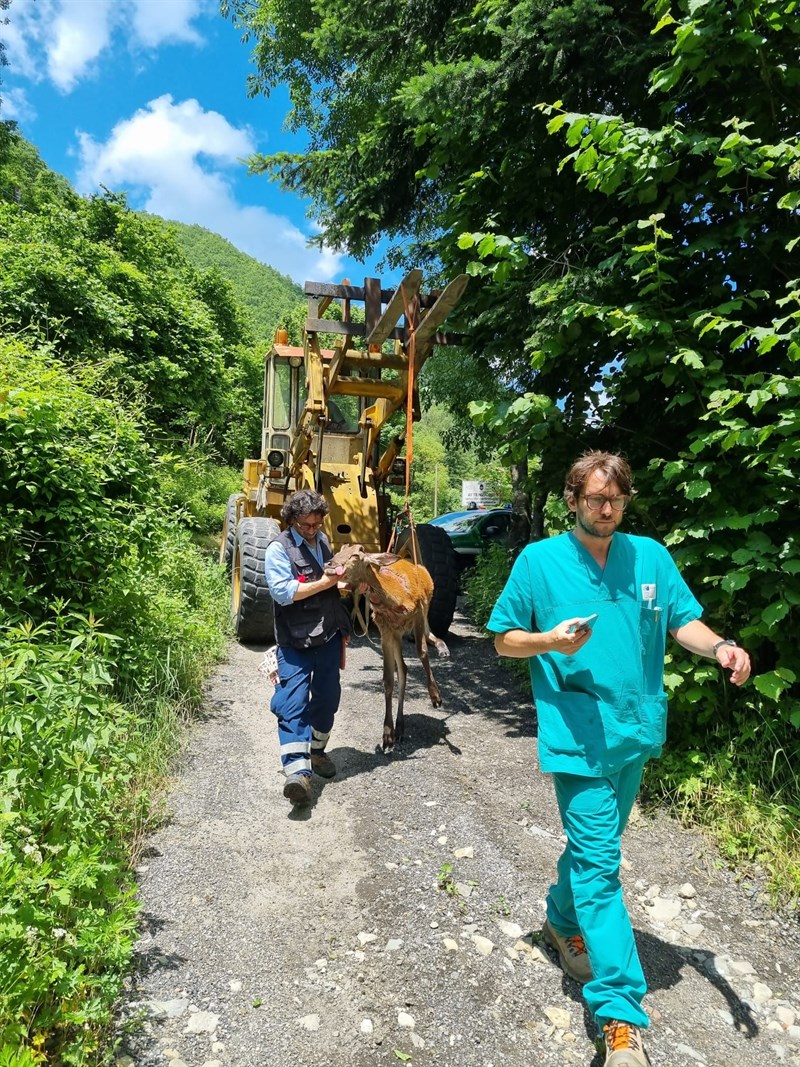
(399,593)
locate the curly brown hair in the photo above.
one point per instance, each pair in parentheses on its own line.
(303,502)
(615,467)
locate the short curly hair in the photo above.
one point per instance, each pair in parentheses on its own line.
(615,468)
(303,502)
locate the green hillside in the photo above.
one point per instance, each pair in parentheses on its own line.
(126,374)
(266,296)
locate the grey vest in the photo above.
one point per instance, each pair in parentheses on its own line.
(313,621)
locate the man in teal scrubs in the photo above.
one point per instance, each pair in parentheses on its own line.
(602,713)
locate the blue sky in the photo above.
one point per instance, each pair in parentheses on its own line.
(149,97)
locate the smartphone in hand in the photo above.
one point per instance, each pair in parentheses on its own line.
(582,625)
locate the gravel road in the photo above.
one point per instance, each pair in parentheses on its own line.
(396,919)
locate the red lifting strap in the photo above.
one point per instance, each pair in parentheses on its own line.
(409,430)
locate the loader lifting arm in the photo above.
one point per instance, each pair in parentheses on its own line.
(323,413)
(358,373)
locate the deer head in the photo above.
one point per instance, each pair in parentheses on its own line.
(356,566)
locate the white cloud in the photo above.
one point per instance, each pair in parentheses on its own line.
(156,21)
(23,36)
(64,38)
(175,160)
(14,104)
(77,36)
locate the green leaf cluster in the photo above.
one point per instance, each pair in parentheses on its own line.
(705,331)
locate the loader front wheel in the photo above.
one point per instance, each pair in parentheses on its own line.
(229,532)
(440,560)
(251,604)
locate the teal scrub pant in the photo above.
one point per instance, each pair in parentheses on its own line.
(587,897)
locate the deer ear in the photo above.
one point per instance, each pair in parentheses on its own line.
(381,559)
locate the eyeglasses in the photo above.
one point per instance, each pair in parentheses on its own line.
(308,525)
(596,503)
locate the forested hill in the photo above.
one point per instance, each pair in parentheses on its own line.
(264,294)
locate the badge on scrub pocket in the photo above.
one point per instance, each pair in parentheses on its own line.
(649,592)
(269,664)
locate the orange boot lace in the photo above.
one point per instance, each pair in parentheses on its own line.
(620,1036)
(577,945)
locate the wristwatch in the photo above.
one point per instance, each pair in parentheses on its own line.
(724,641)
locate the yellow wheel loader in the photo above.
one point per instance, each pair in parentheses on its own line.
(323,413)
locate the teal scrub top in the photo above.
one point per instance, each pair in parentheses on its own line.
(605,706)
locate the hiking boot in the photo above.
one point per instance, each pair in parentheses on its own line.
(624,1047)
(572,954)
(298,789)
(323,765)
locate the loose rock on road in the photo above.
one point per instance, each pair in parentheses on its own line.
(396,919)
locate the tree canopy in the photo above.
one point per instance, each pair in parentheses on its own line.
(105,286)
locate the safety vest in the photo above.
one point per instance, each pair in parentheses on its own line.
(313,621)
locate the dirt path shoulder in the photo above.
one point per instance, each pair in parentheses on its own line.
(391,921)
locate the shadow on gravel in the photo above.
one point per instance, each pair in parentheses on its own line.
(151,960)
(477,682)
(663,965)
(421,732)
(473,681)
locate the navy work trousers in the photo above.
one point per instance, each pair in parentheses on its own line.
(306,700)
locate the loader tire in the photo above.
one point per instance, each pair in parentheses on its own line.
(252,608)
(441,562)
(229,533)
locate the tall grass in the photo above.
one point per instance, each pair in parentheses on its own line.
(755,830)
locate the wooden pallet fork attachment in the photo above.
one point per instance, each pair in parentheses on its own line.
(350,371)
(379,331)
(430,322)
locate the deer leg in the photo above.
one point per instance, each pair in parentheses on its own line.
(422,649)
(392,662)
(437,642)
(432,639)
(392,642)
(402,675)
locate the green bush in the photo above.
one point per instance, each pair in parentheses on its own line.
(110,619)
(197,488)
(105,286)
(111,616)
(484,582)
(67,918)
(172,615)
(77,485)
